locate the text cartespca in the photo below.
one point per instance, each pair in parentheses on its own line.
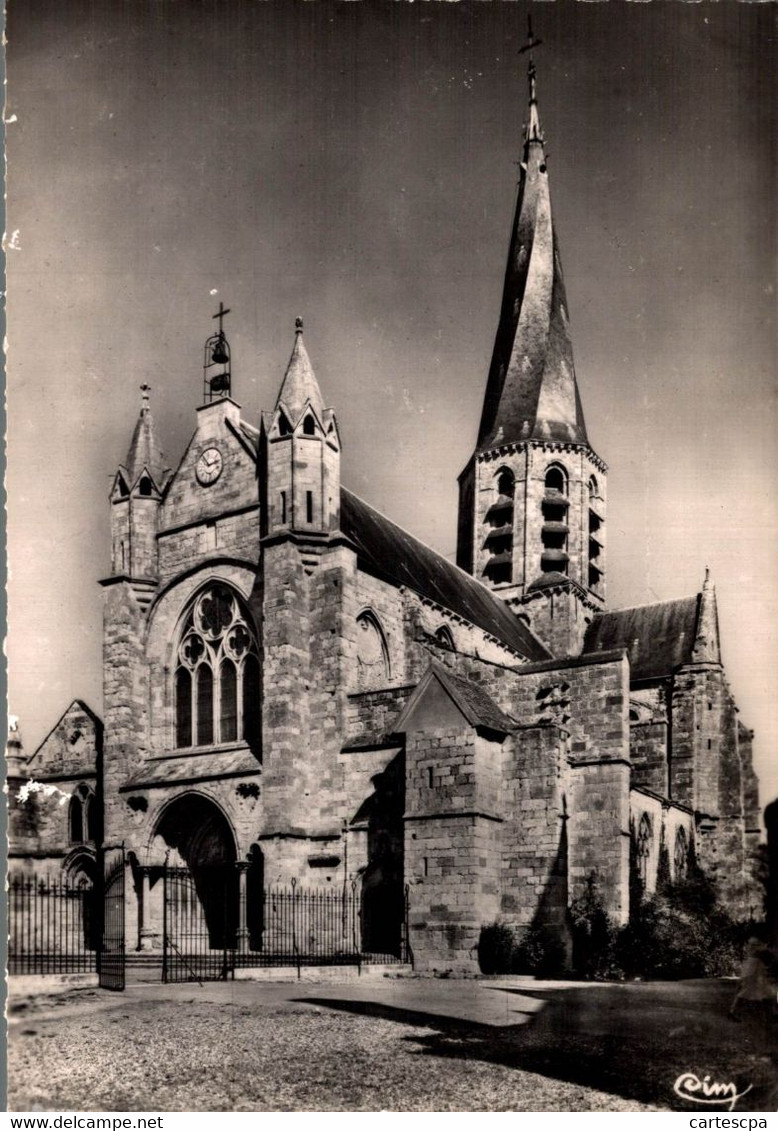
(726,1121)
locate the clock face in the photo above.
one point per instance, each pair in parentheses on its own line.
(209,466)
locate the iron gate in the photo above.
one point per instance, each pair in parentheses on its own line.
(111,964)
(199,924)
(213,924)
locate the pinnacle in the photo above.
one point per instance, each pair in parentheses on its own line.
(299,386)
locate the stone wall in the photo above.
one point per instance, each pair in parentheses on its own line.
(125,701)
(452,849)
(648,754)
(534,861)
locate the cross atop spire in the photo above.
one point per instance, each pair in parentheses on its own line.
(533,131)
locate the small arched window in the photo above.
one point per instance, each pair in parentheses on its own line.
(680,856)
(309,427)
(284,427)
(144,487)
(373,668)
(444,637)
(82,814)
(593,490)
(506,483)
(217,677)
(556,479)
(643,848)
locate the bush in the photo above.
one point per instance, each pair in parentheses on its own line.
(680,932)
(672,936)
(539,951)
(594,935)
(495,949)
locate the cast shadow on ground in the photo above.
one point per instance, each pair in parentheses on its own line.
(624,1040)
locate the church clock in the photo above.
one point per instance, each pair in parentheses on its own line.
(209,466)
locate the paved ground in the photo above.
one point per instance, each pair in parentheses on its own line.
(398,1044)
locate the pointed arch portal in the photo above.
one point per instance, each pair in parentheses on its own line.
(197,830)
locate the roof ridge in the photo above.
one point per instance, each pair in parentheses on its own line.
(432,550)
(649,605)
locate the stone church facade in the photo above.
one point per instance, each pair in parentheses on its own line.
(295,686)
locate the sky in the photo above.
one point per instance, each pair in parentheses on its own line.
(355,163)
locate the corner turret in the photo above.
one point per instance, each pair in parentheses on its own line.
(136,495)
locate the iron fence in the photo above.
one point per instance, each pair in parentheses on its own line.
(53,925)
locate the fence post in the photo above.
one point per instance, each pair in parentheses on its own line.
(165,925)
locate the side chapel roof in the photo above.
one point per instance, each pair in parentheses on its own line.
(660,637)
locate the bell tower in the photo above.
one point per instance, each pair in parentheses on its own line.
(532,497)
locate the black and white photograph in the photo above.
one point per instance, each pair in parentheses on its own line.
(392,451)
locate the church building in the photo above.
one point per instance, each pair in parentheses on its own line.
(298,689)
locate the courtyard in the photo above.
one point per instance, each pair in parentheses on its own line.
(391,1043)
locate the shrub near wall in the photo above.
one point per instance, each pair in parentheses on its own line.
(681,932)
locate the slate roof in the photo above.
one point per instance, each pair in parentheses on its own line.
(475,704)
(189,768)
(300,385)
(392,553)
(144,450)
(659,637)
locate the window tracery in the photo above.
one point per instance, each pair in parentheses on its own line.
(680,856)
(217,677)
(643,848)
(372,652)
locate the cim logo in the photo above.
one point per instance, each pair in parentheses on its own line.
(690,1087)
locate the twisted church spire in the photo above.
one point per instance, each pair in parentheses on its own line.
(531,391)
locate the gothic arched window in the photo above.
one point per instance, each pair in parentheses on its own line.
(372,652)
(443,635)
(217,677)
(680,856)
(643,848)
(82,816)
